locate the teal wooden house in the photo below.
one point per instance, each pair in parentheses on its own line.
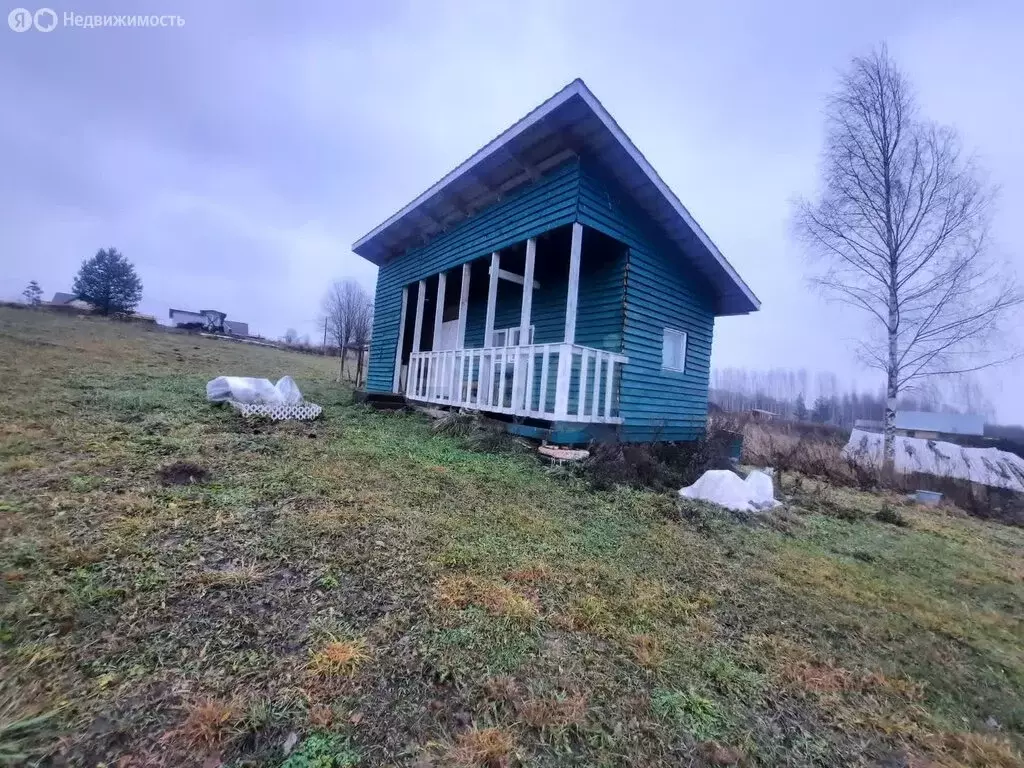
(554,281)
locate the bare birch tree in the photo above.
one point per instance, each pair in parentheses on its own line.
(362,327)
(900,232)
(345,308)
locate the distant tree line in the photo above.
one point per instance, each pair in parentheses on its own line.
(795,395)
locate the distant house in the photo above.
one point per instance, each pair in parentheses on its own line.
(760,414)
(553,277)
(61,299)
(931,426)
(184,317)
(211,320)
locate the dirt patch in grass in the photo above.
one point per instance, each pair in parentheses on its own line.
(182,473)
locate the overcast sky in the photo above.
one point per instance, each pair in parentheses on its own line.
(235,159)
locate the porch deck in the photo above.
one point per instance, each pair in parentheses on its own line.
(555,382)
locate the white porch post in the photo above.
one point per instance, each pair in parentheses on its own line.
(463,307)
(439,311)
(438,362)
(572,296)
(492,299)
(524,320)
(396,379)
(565,354)
(415,370)
(417,332)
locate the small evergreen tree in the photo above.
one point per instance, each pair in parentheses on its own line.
(820,412)
(800,410)
(108,282)
(33,294)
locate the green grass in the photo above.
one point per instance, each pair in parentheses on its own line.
(173,622)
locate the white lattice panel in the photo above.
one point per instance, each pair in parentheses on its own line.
(304,412)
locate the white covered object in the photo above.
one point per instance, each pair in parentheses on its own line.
(988,466)
(241,389)
(727,489)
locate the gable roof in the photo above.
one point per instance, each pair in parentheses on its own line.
(570,123)
(62,298)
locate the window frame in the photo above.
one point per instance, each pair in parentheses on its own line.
(682,340)
(507,335)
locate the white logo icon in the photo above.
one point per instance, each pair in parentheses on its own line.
(20,20)
(45,19)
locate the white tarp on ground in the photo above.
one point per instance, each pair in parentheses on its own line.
(727,489)
(988,466)
(242,389)
(259,397)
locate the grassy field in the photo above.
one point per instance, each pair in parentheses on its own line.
(180,587)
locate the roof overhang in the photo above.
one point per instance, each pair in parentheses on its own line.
(571,123)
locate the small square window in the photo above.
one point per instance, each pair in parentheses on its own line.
(673,350)
(509,337)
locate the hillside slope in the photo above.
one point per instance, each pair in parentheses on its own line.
(181,587)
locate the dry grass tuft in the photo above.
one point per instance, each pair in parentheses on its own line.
(976,750)
(482,748)
(500,600)
(818,678)
(911,690)
(338,657)
(455,591)
(534,573)
(590,612)
(495,598)
(719,754)
(20,464)
(210,723)
(647,650)
(502,688)
(553,712)
(321,717)
(826,678)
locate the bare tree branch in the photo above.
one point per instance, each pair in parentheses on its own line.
(900,231)
(348,318)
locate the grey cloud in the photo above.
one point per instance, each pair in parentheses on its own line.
(236,159)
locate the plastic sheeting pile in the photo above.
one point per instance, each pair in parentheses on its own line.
(260,397)
(988,466)
(727,489)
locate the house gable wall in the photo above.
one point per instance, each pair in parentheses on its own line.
(661,292)
(627,296)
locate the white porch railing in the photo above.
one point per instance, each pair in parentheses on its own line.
(557,382)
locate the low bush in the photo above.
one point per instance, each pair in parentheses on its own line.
(480,433)
(889,514)
(659,466)
(818,454)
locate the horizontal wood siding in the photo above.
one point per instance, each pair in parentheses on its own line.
(630,291)
(661,291)
(544,205)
